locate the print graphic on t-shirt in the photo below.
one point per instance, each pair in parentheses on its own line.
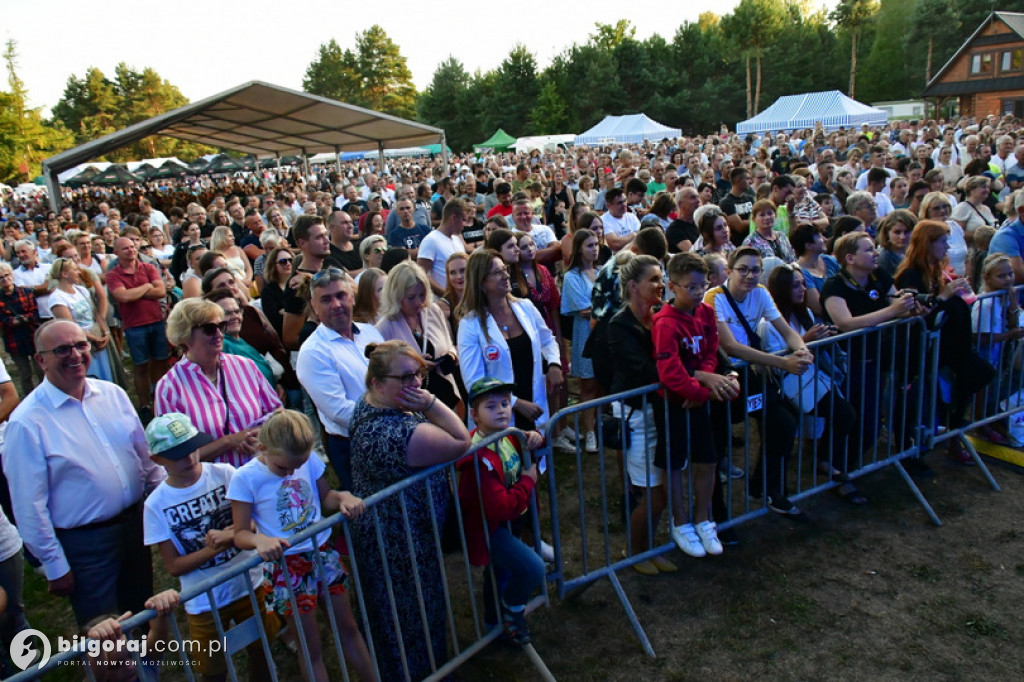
(692,343)
(190,522)
(295,509)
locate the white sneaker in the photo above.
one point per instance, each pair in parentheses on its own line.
(686,539)
(591,442)
(547,552)
(708,534)
(568,433)
(563,443)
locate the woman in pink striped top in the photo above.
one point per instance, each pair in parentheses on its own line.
(225,395)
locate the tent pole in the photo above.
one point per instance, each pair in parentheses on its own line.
(380,157)
(444,154)
(337,161)
(305,166)
(52,189)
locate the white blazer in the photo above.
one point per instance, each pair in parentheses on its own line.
(481,357)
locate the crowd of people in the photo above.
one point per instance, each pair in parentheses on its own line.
(384,320)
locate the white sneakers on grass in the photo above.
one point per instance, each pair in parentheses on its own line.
(699,540)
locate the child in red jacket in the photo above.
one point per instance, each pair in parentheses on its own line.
(494,478)
(685,335)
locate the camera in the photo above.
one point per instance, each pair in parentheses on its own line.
(921,298)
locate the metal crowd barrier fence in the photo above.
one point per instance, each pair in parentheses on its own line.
(400,568)
(882,390)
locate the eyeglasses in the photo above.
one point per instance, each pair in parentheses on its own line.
(744,271)
(211,328)
(64,352)
(692,289)
(284,261)
(408,379)
(500,272)
(941,208)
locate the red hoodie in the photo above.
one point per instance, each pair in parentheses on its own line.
(683,344)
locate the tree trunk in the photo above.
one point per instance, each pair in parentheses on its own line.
(757,90)
(928,62)
(853,65)
(749,104)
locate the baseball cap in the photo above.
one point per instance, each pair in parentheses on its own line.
(482,387)
(174,437)
(373,195)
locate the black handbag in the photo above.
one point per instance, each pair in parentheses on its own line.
(614,433)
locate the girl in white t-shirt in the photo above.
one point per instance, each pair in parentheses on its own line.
(282,491)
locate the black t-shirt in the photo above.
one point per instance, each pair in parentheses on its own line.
(680,230)
(475,234)
(741,206)
(859,301)
(350,260)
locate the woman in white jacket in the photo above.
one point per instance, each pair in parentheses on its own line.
(504,337)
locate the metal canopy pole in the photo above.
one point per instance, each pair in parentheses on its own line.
(380,157)
(337,160)
(305,166)
(444,154)
(52,189)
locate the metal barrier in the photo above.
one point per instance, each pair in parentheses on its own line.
(441,579)
(885,384)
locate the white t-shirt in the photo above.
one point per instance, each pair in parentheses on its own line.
(79,303)
(543,235)
(281,505)
(184,516)
(33,278)
(623,227)
(437,247)
(758,304)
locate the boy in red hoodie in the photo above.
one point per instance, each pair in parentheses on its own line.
(685,335)
(494,476)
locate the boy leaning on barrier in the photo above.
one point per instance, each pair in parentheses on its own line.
(188,517)
(117,663)
(685,339)
(514,570)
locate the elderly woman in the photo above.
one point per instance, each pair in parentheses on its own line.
(972,213)
(408,313)
(398,427)
(72,301)
(371,251)
(225,395)
(505,338)
(936,206)
(764,238)
(233,343)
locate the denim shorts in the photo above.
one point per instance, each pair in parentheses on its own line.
(148,342)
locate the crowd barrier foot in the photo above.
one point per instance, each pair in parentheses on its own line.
(981,463)
(631,614)
(1005,453)
(917,493)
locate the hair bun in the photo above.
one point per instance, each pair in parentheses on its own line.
(370,347)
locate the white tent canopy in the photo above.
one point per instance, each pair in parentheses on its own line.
(265,120)
(832,109)
(630,129)
(543,142)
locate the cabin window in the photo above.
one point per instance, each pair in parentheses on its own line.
(1012,60)
(981,64)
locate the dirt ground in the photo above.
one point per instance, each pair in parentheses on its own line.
(870,593)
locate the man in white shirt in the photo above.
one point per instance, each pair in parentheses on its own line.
(877,161)
(34,275)
(619,225)
(441,243)
(332,365)
(78,466)
(156,218)
(549,249)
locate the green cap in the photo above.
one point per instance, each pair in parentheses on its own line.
(174,436)
(482,387)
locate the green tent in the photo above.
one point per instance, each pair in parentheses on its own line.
(500,141)
(115,175)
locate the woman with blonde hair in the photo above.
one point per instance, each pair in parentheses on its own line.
(371,251)
(71,300)
(408,313)
(223,240)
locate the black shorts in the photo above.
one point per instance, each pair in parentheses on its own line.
(688,436)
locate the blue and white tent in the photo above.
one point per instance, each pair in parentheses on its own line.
(630,129)
(832,109)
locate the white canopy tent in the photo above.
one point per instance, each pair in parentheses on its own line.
(265,120)
(545,143)
(832,109)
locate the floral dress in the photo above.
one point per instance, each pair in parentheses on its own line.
(380,439)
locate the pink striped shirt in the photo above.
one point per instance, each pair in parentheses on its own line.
(250,399)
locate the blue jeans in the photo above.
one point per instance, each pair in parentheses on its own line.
(113,569)
(518,568)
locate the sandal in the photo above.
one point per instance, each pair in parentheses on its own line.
(834,474)
(849,492)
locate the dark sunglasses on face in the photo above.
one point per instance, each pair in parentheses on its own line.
(211,328)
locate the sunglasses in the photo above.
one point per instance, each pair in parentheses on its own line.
(284,261)
(211,328)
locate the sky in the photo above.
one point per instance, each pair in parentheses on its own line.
(207,47)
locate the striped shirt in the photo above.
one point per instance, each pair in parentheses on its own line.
(250,399)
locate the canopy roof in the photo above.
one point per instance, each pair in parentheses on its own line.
(499,141)
(628,129)
(542,142)
(832,109)
(114,175)
(262,119)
